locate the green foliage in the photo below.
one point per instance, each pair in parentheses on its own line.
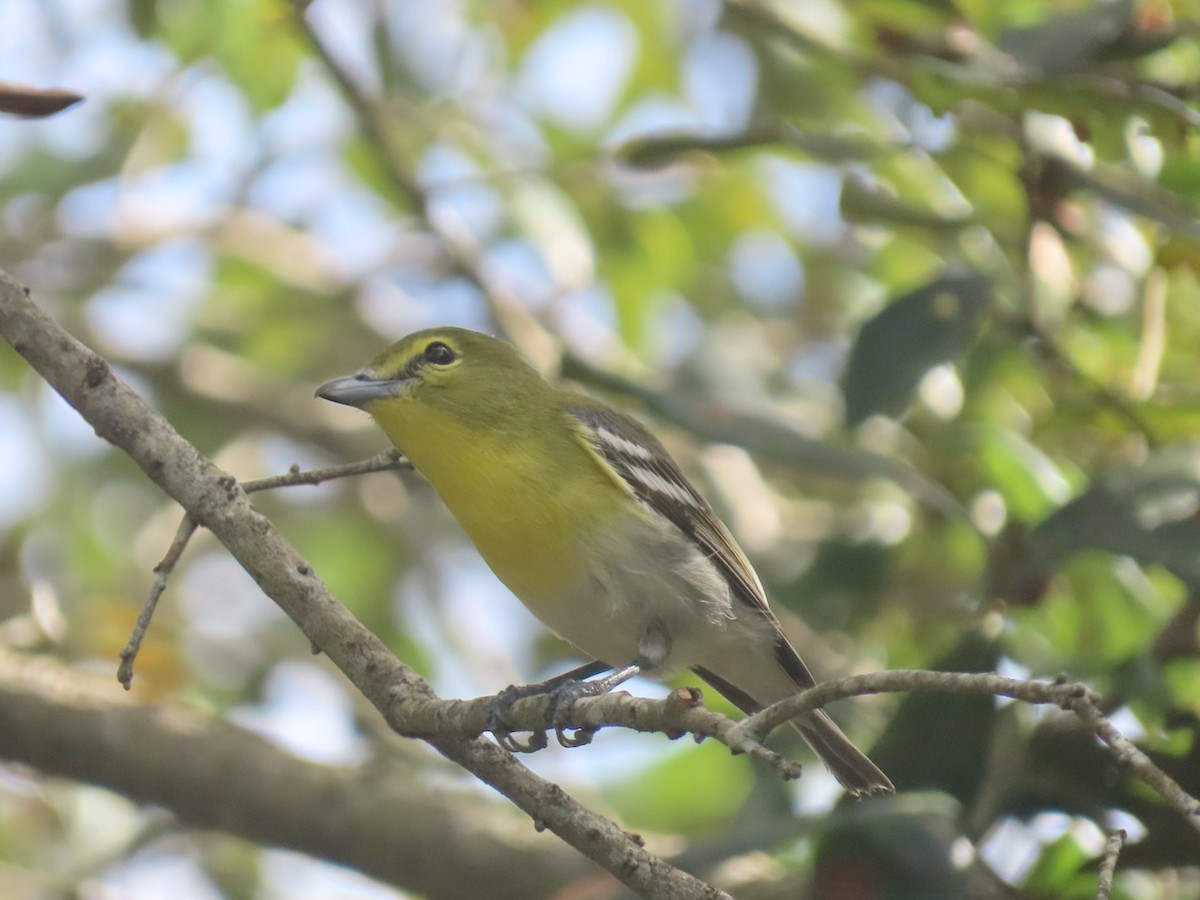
(1147,512)
(914,333)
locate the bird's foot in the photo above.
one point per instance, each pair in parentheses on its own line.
(497,721)
(562,698)
(562,690)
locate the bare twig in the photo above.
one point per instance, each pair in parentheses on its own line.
(1128,753)
(1073,696)
(1108,864)
(387,461)
(370,116)
(681,713)
(162,574)
(381,462)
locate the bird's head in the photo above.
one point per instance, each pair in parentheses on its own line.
(456,370)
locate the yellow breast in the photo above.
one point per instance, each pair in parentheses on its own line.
(524,507)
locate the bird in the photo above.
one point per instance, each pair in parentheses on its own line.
(582,513)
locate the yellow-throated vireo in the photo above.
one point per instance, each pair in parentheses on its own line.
(581,512)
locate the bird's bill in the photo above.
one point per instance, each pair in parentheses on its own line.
(359,390)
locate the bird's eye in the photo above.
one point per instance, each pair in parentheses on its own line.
(439,354)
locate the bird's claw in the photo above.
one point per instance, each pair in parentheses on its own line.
(581,738)
(562,698)
(496,721)
(537,741)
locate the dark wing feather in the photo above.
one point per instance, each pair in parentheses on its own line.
(649,473)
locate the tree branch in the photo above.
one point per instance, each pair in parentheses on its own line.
(1072,696)
(215,775)
(214,499)
(1108,864)
(679,714)
(682,713)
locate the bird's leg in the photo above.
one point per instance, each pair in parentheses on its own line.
(653,648)
(563,697)
(496,715)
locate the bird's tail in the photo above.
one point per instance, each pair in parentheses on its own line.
(849,765)
(846,763)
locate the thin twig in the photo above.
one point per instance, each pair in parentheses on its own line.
(1072,696)
(1108,864)
(381,462)
(162,574)
(370,116)
(386,461)
(1128,753)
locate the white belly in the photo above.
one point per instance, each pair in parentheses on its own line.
(651,593)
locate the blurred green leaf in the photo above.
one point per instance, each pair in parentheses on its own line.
(865,203)
(143,14)
(1148,511)
(1065,43)
(1060,872)
(253,40)
(1030,482)
(922,329)
(656,261)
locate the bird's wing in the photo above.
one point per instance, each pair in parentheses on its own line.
(642,466)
